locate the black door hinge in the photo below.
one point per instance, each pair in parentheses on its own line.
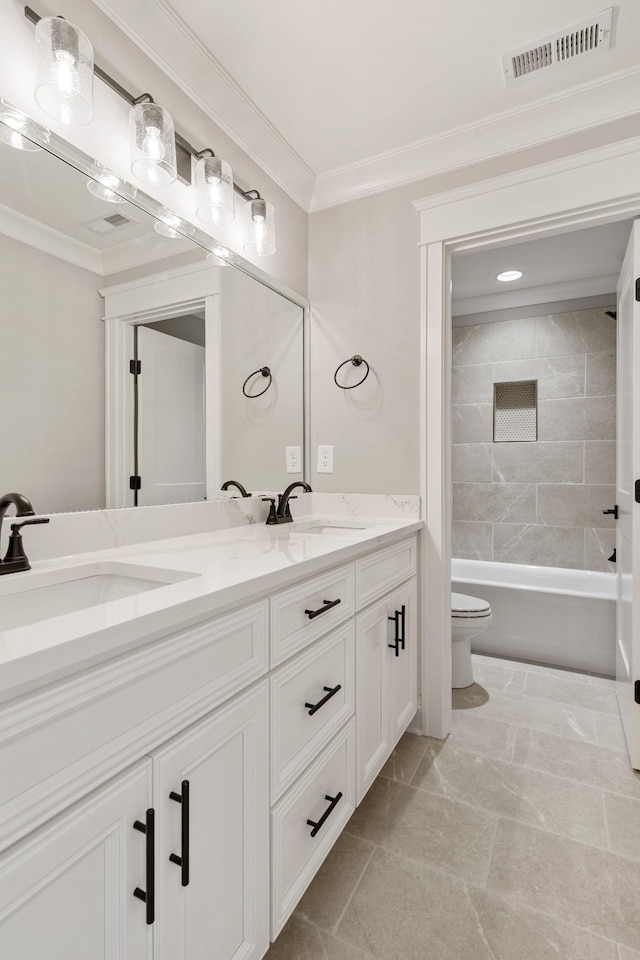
(638,289)
(135,483)
(135,367)
(637,691)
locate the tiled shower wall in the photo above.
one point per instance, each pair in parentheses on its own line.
(537,502)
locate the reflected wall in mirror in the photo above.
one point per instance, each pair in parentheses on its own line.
(63,255)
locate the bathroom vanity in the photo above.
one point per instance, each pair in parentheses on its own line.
(178,761)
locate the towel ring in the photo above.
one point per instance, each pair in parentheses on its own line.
(357,361)
(266,372)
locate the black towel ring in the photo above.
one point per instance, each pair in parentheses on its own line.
(357,361)
(266,372)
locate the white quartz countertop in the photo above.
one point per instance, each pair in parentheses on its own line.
(225,569)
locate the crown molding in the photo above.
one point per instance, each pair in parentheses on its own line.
(164,36)
(547,293)
(48,240)
(573,111)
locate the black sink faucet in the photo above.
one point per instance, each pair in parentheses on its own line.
(237,485)
(283,513)
(16,559)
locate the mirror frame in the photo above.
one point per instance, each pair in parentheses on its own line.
(118,448)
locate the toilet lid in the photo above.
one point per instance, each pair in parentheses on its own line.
(464,606)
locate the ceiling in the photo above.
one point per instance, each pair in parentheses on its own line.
(360,95)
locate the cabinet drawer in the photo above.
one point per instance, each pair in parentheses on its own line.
(292,627)
(384,570)
(305,710)
(295,854)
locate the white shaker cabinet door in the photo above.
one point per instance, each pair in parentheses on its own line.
(402,606)
(67,891)
(211,793)
(373,745)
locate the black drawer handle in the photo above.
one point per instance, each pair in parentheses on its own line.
(399,619)
(183,860)
(331,692)
(148,896)
(334,801)
(328,604)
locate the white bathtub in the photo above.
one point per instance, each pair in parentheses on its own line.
(544,614)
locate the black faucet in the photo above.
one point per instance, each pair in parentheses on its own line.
(237,485)
(15,558)
(282,514)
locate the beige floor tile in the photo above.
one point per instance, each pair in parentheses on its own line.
(505,789)
(544,715)
(325,900)
(623,821)
(599,681)
(494,676)
(491,738)
(413,823)
(609,732)
(303,941)
(583,762)
(404,910)
(403,762)
(590,888)
(600,699)
(624,953)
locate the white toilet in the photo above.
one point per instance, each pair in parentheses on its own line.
(470,617)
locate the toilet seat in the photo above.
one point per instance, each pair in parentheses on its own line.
(464,607)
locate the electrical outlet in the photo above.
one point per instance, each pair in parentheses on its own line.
(325,458)
(294,460)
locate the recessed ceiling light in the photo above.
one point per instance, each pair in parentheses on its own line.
(508,275)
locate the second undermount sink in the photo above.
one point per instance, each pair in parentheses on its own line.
(36,596)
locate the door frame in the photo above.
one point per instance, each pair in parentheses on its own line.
(586,189)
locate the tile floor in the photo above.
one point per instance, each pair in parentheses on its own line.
(516,839)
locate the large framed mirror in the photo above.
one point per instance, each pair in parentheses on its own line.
(132,353)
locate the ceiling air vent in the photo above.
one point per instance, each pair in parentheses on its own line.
(577,42)
(114,221)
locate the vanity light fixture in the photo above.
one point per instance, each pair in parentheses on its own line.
(262,241)
(64,71)
(214,183)
(507,276)
(173,226)
(153,143)
(105,185)
(18,131)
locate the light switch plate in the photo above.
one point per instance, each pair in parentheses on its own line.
(325,458)
(294,460)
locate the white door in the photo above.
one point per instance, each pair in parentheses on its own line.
(67,892)
(628,472)
(373,677)
(211,794)
(403,607)
(171,418)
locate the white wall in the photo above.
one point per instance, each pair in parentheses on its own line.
(51,380)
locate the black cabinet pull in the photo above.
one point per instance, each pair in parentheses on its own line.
(403,613)
(148,896)
(328,604)
(330,691)
(183,860)
(396,637)
(317,826)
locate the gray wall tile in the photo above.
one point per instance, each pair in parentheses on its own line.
(496,502)
(472,423)
(600,462)
(586,331)
(592,418)
(472,461)
(473,383)
(598,546)
(601,374)
(533,543)
(472,541)
(492,342)
(556,376)
(575,506)
(537,463)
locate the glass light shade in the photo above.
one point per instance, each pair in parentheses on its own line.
(173,226)
(153,144)
(64,71)
(262,226)
(105,185)
(214,183)
(16,129)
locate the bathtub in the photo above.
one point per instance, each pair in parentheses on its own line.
(544,614)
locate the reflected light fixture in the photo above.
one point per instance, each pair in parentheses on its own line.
(507,276)
(153,144)
(16,129)
(105,185)
(64,71)
(262,241)
(214,183)
(170,225)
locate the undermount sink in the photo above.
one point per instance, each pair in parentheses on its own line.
(332,528)
(33,597)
